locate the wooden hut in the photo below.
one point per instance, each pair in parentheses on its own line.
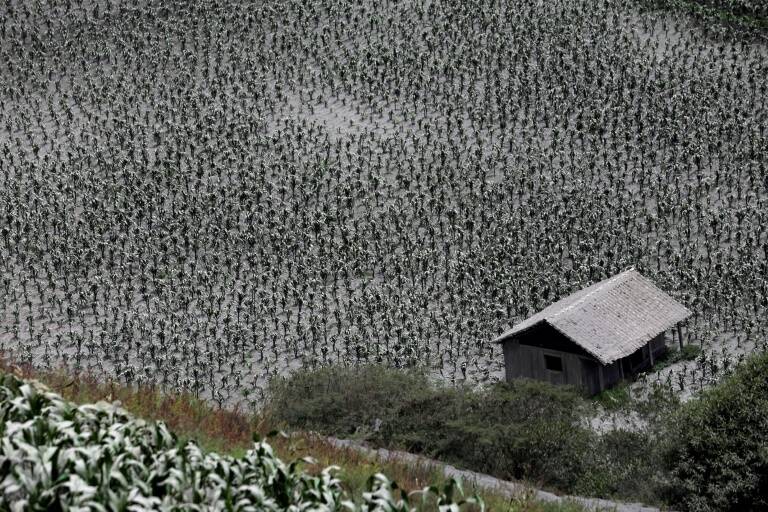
(594,337)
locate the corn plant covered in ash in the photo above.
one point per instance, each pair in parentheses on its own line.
(203,195)
(58,456)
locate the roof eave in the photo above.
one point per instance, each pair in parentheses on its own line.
(508,335)
(642,341)
(585,349)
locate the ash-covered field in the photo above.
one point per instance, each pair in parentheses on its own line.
(204,194)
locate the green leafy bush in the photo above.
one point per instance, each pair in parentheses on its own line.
(57,456)
(625,464)
(523,430)
(615,398)
(520,430)
(718,446)
(344,401)
(689,352)
(674,355)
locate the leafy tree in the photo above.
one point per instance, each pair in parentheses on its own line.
(718,448)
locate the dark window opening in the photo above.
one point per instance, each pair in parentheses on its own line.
(553,363)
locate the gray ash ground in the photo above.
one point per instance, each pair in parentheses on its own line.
(202,195)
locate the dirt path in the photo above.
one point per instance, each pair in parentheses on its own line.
(503,487)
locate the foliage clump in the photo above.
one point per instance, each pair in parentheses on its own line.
(674,355)
(615,398)
(718,445)
(344,401)
(522,430)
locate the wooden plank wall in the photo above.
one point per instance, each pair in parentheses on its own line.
(526,361)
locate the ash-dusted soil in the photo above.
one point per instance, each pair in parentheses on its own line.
(204,195)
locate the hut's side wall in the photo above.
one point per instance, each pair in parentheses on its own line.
(526,357)
(531,361)
(511,368)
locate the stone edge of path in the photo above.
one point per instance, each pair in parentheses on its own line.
(503,487)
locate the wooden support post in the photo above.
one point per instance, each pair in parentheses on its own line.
(680,335)
(650,352)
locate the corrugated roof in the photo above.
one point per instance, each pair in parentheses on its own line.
(610,319)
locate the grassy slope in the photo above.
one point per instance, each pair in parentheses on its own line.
(232,432)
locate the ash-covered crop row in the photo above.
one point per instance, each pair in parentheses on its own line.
(205,194)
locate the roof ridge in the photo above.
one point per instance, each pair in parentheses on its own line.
(603,286)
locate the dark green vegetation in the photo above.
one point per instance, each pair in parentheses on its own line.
(526,430)
(616,397)
(200,194)
(231,433)
(707,454)
(674,355)
(56,455)
(719,451)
